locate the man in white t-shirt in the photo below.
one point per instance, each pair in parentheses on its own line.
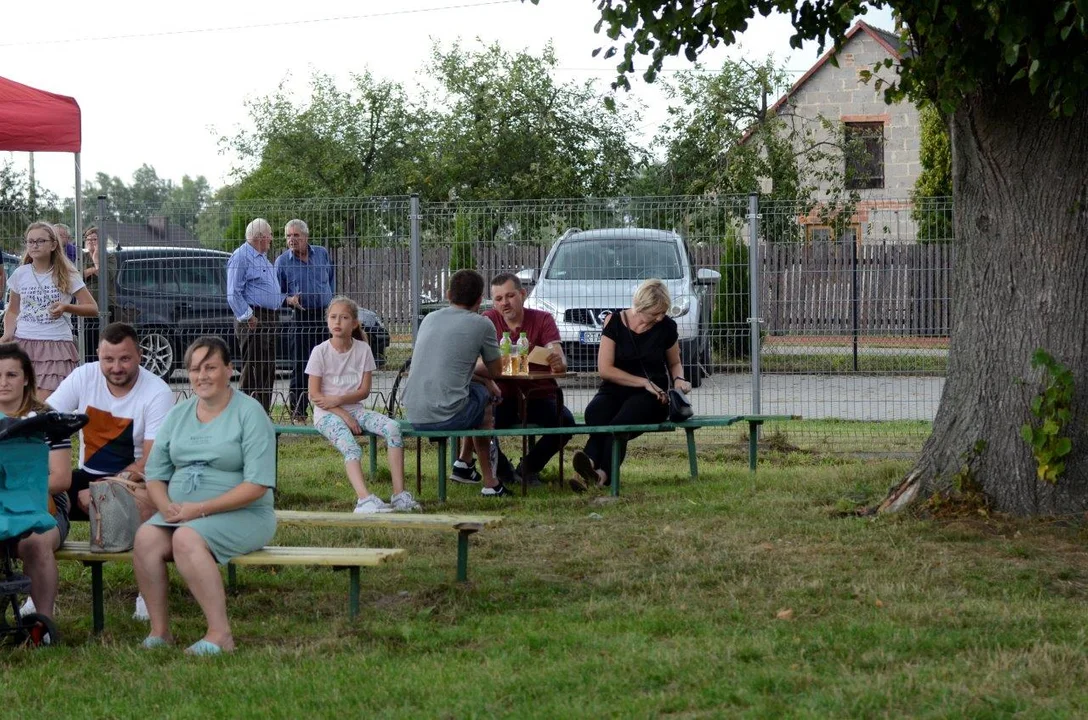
(125,404)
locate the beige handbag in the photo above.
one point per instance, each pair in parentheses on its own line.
(119,505)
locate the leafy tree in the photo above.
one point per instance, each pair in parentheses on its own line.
(506,130)
(1013,79)
(933,188)
(18,209)
(461,255)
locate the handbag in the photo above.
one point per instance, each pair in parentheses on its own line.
(679,405)
(119,506)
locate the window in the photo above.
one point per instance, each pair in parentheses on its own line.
(615,260)
(822,233)
(202,277)
(864,154)
(149,276)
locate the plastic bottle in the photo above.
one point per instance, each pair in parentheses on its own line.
(505,347)
(523,354)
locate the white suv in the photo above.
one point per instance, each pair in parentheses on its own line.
(591,273)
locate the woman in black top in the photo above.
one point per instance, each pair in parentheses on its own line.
(639,359)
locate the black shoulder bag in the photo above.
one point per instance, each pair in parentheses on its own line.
(679,405)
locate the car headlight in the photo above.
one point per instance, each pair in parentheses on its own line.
(680,308)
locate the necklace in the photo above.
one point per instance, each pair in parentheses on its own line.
(38,276)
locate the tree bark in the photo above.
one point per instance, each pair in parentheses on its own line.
(1020,185)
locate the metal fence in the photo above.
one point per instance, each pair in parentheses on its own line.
(853,296)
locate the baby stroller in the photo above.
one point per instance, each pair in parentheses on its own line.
(24,509)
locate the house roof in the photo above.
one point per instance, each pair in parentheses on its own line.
(888,40)
(155,232)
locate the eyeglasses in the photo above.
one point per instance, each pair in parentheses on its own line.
(37,243)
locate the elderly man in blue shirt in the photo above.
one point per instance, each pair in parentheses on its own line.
(304,270)
(255,297)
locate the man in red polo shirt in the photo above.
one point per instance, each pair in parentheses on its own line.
(508,314)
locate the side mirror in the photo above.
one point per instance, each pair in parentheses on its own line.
(706,276)
(526,276)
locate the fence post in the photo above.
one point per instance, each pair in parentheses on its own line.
(77,238)
(416,263)
(854,304)
(754,321)
(103,298)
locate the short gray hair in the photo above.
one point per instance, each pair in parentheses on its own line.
(257,227)
(61,226)
(299,225)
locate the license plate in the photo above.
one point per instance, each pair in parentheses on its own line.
(590,337)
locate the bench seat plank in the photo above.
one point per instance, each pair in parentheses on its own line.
(387,520)
(272,555)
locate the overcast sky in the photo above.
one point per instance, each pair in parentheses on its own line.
(160,83)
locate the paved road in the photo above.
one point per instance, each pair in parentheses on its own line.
(844,397)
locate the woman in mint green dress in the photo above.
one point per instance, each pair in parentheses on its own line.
(210,474)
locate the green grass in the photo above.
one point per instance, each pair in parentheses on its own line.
(665,602)
(841,363)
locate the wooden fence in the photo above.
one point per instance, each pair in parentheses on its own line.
(900,289)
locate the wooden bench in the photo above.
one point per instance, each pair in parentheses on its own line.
(442,437)
(464,525)
(337,558)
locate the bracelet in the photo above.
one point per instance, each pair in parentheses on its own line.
(678,377)
(202,513)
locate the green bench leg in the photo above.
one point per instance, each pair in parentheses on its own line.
(753,444)
(98,610)
(353,592)
(616,465)
(462,554)
(232,578)
(373,457)
(693,461)
(442,469)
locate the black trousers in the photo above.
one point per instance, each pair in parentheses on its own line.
(257,347)
(308,330)
(539,411)
(633,406)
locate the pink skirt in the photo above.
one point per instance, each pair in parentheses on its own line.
(53,360)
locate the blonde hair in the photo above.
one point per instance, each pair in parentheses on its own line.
(358,333)
(62,269)
(651,295)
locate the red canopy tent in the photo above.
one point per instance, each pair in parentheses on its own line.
(35,120)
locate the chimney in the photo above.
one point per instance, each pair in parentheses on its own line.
(160,226)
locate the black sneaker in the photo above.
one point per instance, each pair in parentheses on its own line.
(496,491)
(465,474)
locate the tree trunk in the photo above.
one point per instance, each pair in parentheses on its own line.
(1020,184)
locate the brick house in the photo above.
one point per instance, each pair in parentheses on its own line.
(885,138)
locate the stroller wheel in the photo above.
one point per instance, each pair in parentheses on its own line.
(38,630)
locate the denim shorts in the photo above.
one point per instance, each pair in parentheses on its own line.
(469,417)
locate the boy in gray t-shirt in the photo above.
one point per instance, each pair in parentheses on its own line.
(445,390)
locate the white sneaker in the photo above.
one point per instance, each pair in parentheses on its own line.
(372,504)
(404,502)
(27,608)
(141,610)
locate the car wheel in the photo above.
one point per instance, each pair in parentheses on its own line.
(158,354)
(694,371)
